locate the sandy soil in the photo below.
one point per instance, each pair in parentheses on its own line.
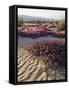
(33,68)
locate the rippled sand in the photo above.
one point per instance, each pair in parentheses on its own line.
(34,68)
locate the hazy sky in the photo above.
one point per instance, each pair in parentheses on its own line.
(54,14)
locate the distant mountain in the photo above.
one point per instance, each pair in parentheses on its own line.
(26,18)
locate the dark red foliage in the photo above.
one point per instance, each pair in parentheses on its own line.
(54,50)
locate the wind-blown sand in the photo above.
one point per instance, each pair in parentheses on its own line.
(32,67)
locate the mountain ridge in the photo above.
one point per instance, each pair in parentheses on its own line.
(26,18)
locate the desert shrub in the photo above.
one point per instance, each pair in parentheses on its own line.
(54,50)
(61,25)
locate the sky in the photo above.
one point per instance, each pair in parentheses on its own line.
(54,14)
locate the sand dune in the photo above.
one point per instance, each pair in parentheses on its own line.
(35,68)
